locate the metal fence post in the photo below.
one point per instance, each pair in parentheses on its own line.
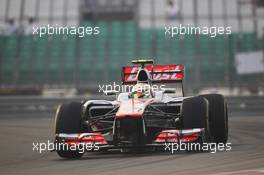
(226,41)
(64,40)
(197,49)
(18,48)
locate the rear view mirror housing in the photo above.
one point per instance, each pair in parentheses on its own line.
(169,90)
(108,93)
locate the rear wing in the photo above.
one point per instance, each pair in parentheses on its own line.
(159,73)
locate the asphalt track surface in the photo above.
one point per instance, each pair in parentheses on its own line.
(18,133)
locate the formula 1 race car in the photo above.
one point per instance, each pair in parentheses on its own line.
(143,117)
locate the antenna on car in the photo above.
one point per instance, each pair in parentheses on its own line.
(143,62)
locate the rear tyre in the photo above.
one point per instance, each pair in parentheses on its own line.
(68,120)
(218,117)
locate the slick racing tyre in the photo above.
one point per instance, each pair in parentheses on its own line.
(218,117)
(195,113)
(68,120)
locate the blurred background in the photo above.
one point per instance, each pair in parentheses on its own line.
(39,73)
(230,64)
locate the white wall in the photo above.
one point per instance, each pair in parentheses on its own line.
(44,12)
(145,13)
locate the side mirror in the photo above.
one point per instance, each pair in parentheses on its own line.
(108,93)
(169,91)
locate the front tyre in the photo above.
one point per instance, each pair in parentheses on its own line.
(218,117)
(68,121)
(195,113)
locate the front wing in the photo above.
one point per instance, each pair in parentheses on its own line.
(99,140)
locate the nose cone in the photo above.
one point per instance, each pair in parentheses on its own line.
(131,108)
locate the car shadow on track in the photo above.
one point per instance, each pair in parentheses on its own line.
(120,155)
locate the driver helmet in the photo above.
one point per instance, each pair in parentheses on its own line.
(141,90)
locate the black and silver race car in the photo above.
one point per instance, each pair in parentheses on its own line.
(141,118)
